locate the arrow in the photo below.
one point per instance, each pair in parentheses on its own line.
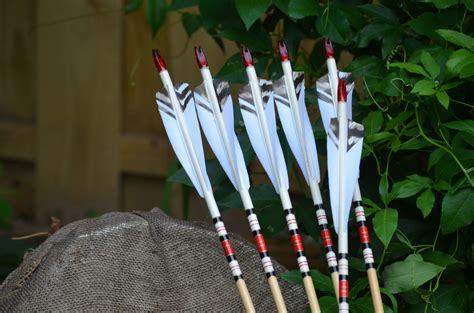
(177,110)
(325,86)
(215,112)
(290,101)
(344,147)
(258,112)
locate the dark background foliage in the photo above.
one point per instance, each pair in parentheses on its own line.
(414,63)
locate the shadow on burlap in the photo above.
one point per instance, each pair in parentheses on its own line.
(141,261)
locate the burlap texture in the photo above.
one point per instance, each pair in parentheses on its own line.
(141,261)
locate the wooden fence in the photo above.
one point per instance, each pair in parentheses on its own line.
(79,131)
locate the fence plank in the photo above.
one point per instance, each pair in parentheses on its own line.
(79,94)
(17,62)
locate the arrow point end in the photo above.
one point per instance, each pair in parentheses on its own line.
(246,56)
(159,61)
(200,57)
(328,49)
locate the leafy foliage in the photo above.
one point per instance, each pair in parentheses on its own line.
(414,61)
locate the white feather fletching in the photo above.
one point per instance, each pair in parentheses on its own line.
(255,132)
(175,132)
(354,150)
(288,122)
(238,175)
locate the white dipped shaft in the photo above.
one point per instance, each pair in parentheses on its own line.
(342,233)
(313,183)
(211,92)
(208,195)
(333,78)
(257,98)
(245,196)
(207,191)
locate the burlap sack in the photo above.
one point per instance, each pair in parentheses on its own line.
(141,261)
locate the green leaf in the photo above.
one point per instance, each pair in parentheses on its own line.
(410,67)
(365,304)
(364,66)
(467,70)
(293,276)
(408,275)
(443,98)
(181,4)
(373,122)
(392,299)
(425,202)
(214,17)
(155,14)
(358,286)
(407,188)
(435,157)
(439,258)
(251,10)
(425,181)
(328,304)
(458,60)
(403,239)
(283,5)
(298,9)
(457,38)
(424,87)
(375,31)
(385,224)
(379,137)
(414,144)
(133,5)
(430,65)
(457,210)
(191,23)
(256,39)
(426,24)
(233,70)
(466,126)
(334,24)
(442,4)
(398,120)
(216,174)
(469,4)
(262,196)
(320,281)
(380,13)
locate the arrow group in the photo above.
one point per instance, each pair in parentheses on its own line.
(211,104)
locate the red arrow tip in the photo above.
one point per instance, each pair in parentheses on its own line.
(329,51)
(159,61)
(246,56)
(341,91)
(283,51)
(200,57)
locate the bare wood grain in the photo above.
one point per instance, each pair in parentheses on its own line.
(79,84)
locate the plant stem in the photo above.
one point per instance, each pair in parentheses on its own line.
(436,238)
(434,143)
(372,97)
(381,259)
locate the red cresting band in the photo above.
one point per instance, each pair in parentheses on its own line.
(326,235)
(227,246)
(364,234)
(261,246)
(344,288)
(297,243)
